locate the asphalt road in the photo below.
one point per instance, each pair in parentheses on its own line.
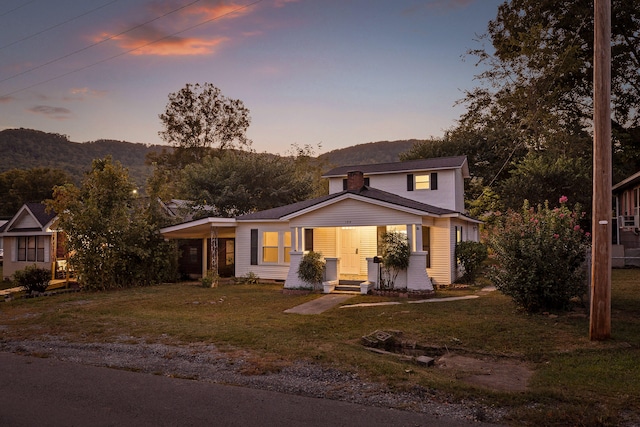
(48,392)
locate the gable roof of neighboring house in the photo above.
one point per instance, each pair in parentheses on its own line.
(37,211)
(629,182)
(365,192)
(408,166)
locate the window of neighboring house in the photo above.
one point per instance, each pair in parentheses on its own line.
(458,234)
(31,248)
(270,246)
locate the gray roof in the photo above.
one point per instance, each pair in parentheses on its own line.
(367,192)
(629,182)
(39,211)
(408,166)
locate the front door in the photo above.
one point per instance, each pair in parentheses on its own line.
(349,251)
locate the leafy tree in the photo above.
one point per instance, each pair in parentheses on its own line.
(237,182)
(19,186)
(471,255)
(539,177)
(198,117)
(113,238)
(539,256)
(537,84)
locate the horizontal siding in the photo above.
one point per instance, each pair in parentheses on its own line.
(368,246)
(324,241)
(440,271)
(243,252)
(353,213)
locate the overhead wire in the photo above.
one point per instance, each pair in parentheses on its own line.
(135,48)
(57,25)
(106,39)
(16,8)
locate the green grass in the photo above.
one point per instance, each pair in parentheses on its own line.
(576,381)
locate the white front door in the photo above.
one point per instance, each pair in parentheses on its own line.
(349,251)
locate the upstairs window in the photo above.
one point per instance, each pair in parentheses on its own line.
(425,181)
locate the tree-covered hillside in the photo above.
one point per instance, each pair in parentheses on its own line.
(27,148)
(362,154)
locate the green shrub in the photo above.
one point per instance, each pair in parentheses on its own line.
(250,278)
(471,255)
(395,257)
(539,256)
(311,268)
(33,279)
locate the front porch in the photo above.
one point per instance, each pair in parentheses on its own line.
(351,256)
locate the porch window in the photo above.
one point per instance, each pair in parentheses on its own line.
(426,243)
(286,256)
(270,246)
(31,248)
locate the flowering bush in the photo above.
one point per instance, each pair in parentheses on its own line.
(539,256)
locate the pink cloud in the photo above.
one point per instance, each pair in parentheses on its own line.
(56,113)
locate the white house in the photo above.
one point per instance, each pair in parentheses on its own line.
(626,244)
(29,239)
(422,198)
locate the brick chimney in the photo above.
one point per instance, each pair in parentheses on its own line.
(355,180)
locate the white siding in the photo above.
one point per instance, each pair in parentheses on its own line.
(324,241)
(243,252)
(368,246)
(449,195)
(354,213)
(441,243)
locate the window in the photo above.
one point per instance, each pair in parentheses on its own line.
(31,248)
(426,243)
(422,182)
(270,246)
(286,256)
(427,181)
(458,234)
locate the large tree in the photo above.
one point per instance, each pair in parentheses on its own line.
(18,186)
(111,233)
(198,117)
(537,79)
(236,182)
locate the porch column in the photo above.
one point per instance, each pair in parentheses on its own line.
(419,244)
(204,257)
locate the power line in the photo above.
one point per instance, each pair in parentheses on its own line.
(57,25)
(134,49)
(60,58)
(16,8)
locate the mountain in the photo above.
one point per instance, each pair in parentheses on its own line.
(362,154)
(27,148)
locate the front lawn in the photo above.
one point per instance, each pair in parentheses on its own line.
(575,381)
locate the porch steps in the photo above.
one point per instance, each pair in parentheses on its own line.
(347,287)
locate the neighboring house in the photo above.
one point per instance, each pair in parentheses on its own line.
(422,198)
(626,196)
(29,239)
(2,223)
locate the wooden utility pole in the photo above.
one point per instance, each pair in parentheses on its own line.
(600,320)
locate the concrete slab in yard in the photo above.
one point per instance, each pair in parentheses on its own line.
(320,305)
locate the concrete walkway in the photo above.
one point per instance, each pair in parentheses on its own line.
(320,305)
(324,303)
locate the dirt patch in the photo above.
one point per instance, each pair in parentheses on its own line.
(496,374)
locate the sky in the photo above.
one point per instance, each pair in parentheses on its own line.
(324,73)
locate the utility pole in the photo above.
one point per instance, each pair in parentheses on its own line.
(600,318)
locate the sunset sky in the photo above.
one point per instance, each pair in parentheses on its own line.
(330,72)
